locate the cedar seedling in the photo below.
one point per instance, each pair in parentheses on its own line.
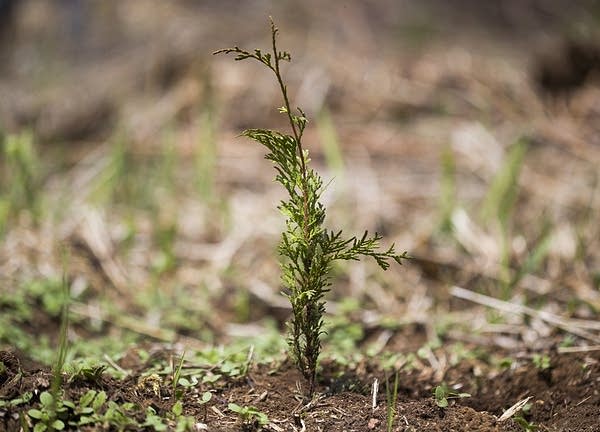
(307,248)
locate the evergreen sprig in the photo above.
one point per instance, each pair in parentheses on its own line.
(307,247)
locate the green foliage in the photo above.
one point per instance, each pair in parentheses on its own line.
(525,424)
(86,370)
(48,416)
(63,342)
(344,335)
(204,400)
(154,421)
(447,200)
(505,363)
(174,419)
(177,376)
(541,361)
(112,181)
(49,292)
(249,415)
(499,203)
(539,251)
(4,212)
(331,146)
(119,416)
(22,178)
(124,182)
(164,236)
(87,411)
(25,302)
(567,341)
(182,423)
(442,394)
(21,400)
(307,248)
(221,363)
(503,192)
(391,395)
(206,397)
(497,212)
(92,410)
(53,412)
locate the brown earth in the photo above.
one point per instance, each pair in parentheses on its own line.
(563,398)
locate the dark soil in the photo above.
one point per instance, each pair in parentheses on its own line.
(565,397)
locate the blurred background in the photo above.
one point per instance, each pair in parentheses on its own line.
(466,132)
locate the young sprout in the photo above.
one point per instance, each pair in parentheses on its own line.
(307,248)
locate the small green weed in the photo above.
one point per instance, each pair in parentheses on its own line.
(87,410)
(442,394)
(567,341)
(182,423)
(23,178)
(500,201)
(119,416)
(541,362)
(343,335)
(503,192)
(506,363)
(249,415)
(539,251)
(53,412)
(523,422)
(164,236)
(220,362)
(63,341)
(204,400)
(49,292)
(154,421)
(447,200)
(177,377)
(13,403)
(50,415)
(86,370)
(307,248)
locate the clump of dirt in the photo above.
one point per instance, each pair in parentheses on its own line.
(564,397)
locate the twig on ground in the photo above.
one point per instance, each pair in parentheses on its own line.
(111,362)
(514,409)
(578,349)
(375,391)
(576,327)
(95,234)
